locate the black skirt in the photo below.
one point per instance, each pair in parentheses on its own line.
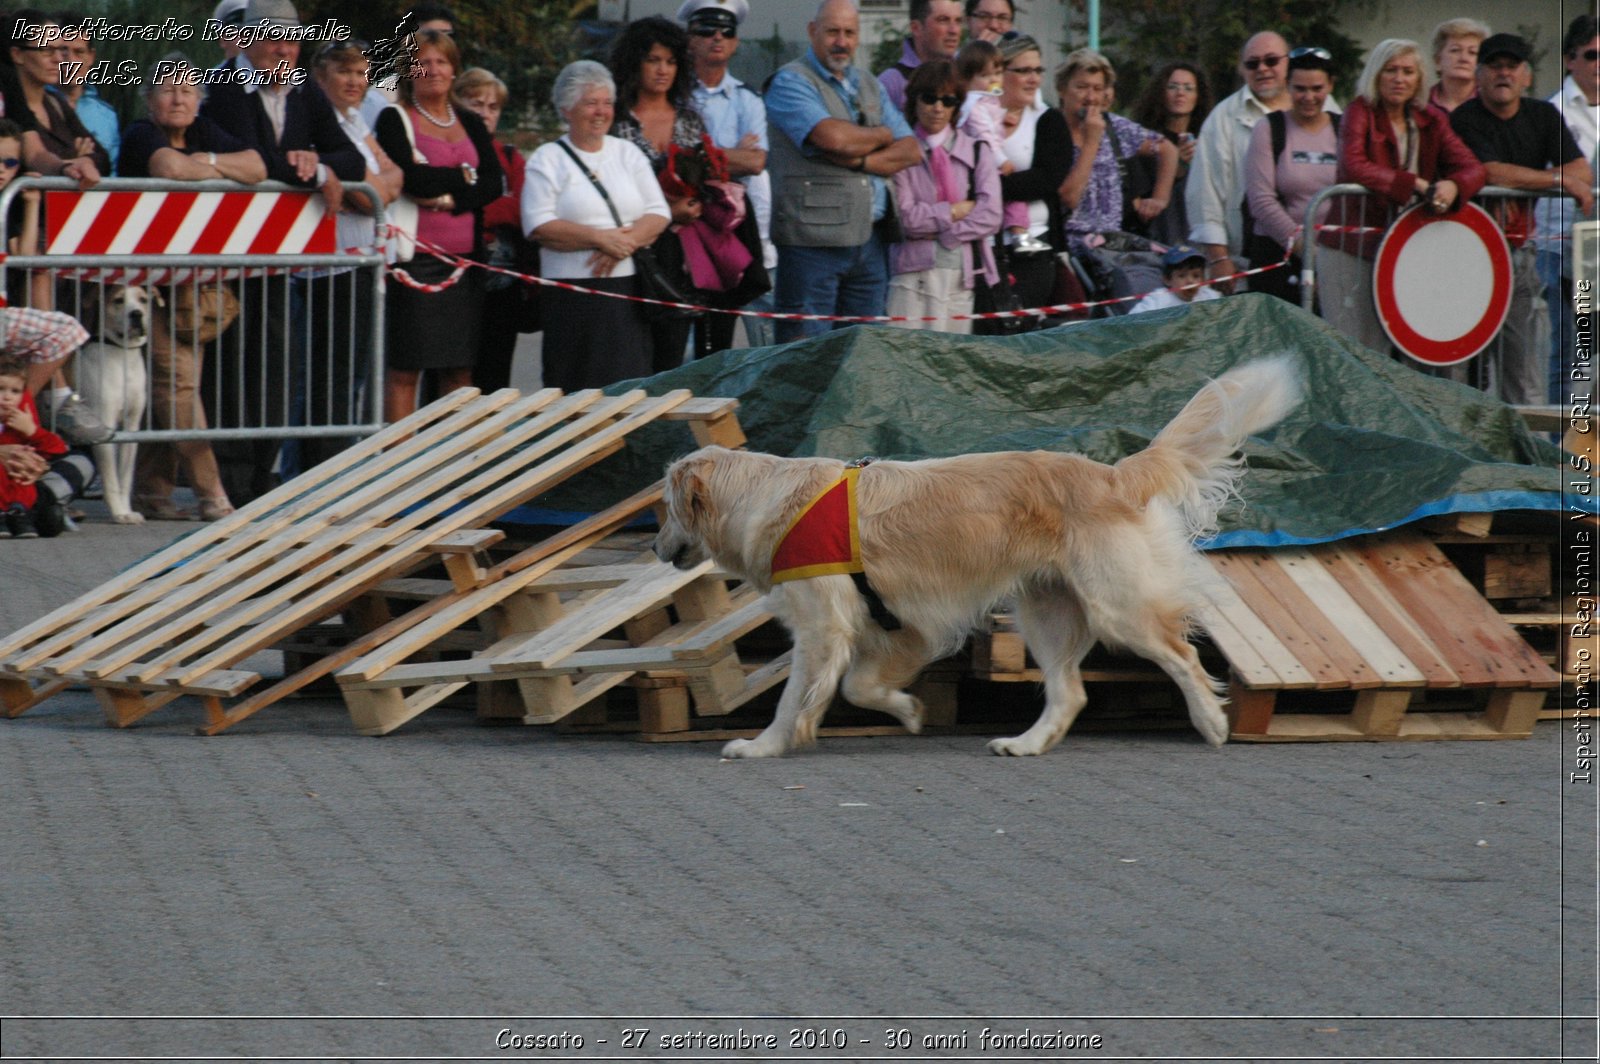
(433,330)
(591,341)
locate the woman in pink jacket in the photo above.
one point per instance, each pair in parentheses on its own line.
(950,210)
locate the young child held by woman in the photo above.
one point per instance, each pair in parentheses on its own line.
(27,512)
(980,68)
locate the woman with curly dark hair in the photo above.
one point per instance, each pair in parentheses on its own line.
(650,62)
(1175,103)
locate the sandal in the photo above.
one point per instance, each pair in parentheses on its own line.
(157,508)
(214,507)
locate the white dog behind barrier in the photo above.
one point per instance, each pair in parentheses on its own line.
(111,376)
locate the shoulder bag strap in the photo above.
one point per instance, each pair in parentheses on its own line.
(595,179)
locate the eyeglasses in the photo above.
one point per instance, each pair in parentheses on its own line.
(1314,53)
(1025,71)
(1268,61)
(930,98)
(1592,54)
(1182,86)
(50,48)
(992,17)
(714,31)
(10,164)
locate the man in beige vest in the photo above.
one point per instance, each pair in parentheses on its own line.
(834,142)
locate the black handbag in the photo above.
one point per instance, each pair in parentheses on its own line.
(989,298)
(661,274)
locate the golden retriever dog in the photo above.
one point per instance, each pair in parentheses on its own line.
(1088,551)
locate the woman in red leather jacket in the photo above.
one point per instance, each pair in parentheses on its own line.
(1403,153)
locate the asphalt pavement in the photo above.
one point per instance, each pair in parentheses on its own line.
(450,891)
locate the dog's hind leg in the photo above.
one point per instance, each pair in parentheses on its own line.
(1157,631)
(886,662)
(1052,623)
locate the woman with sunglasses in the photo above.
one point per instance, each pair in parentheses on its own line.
(949,210)
(1404,152)
(1175,103)
(38,67)
(1293,156)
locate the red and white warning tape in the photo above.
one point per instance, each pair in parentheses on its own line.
(462,264)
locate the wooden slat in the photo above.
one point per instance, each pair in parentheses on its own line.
(1358,579)
(1386,660)
(1335,657)
(1301,644)
(1268,661)
(1481,647)
(609,610)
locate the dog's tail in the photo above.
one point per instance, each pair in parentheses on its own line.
(1194,461)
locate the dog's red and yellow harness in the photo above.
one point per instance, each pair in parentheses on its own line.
(824,539)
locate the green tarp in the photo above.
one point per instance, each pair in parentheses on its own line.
(1375,443)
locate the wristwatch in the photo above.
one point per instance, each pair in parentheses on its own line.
(469,172)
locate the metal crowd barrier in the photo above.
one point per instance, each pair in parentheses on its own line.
(260,326)
(1349,213)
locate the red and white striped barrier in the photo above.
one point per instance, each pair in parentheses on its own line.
(115,222)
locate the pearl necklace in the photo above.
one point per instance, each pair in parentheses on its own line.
(451,111)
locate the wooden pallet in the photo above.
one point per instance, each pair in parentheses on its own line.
(183,621)
(556,651)
(1380,618)
(1365,633)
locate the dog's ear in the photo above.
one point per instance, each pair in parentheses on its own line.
(688,485)
(156,298)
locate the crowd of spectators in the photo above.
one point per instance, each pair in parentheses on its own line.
(946,185)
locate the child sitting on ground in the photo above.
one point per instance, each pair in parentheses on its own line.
(980,67)
(1184,270)
(27,512)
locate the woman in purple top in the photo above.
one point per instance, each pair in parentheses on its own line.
(950,207)
(1101,145)
(1280,185)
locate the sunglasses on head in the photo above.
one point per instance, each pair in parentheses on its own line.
(1268,61)
(931,98)
(1312,53)
(714,31)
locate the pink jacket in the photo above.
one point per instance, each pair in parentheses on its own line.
(924,221)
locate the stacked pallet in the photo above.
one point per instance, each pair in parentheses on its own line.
(311,568)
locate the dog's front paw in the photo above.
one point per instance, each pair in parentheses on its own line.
(1012,748)
(129,518)
(748,748)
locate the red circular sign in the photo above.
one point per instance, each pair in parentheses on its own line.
(1442,283)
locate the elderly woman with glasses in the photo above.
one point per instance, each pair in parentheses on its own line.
(591,200)
(176,142)
(950,210)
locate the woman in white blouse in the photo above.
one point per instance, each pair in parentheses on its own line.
(589,340)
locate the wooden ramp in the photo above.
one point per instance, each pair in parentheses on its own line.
(185,620)
(1386,622)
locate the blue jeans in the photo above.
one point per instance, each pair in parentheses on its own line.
(848,282)
(1558,294)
